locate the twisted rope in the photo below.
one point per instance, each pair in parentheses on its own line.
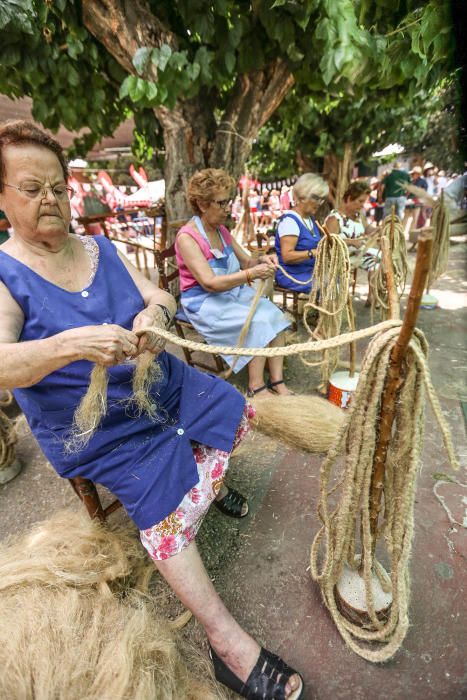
(341,525)
(8,436)
(393,233)
(331,282)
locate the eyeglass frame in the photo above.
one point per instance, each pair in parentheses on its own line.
(43,192)
(222,203)
(315,198)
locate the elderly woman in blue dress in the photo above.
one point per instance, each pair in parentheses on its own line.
(216,277)
(297,234)
(67,302)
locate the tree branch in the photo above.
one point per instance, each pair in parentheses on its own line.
(123,26)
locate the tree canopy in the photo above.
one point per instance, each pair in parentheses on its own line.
(201,77)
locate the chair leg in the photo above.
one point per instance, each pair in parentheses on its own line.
(295,310)
(186,352)
(87,492)
(354,282)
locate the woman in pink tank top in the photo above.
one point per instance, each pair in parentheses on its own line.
(216,277)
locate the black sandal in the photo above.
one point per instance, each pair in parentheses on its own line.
(267,680)
(232,504)
(271,386)
(252,392)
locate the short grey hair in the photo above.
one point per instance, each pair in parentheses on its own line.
(309,184)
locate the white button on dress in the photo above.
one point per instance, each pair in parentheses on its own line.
(180,431)
(85,294)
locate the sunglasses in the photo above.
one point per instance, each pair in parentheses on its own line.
(222,203)
(315,198)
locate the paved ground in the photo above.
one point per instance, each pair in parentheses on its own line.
(261,567)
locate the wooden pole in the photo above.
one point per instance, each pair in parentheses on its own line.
(323,230)
(353,345)
(394,381)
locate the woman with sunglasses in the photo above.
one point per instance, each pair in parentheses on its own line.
(297,234)
(216,278)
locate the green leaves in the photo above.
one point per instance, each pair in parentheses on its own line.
(141,59)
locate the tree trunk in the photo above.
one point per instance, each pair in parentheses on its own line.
(192,137)
(337,171)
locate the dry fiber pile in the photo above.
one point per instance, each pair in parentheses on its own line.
(77,622)
(315,425)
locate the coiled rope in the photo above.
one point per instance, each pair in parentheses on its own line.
(341,523)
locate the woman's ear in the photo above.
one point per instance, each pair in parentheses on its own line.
(202,205)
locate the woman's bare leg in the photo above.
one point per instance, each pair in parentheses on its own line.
(186,575)
(256,374)
(276,367)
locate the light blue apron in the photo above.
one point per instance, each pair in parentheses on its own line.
(219,317)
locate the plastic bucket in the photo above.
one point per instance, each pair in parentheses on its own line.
(341,387)
(428,301)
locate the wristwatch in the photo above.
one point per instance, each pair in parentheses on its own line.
(310,253)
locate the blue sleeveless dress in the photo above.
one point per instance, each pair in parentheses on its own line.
(148,465)
(302,271)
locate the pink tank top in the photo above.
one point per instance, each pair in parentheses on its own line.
(186,278)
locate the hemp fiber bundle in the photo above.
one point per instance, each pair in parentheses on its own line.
(440,252)
(304,422)
(73,628)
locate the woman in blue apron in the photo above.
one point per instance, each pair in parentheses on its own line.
(67,302)
(297,234)
(216,278)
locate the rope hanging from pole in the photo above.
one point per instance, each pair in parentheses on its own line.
(329,295)
(393,233)
(341,523)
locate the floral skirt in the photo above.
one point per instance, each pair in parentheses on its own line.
(177,530)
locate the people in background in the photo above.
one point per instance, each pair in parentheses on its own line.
(393,191)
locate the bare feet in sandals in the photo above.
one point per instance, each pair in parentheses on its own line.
(243,666)
(280,387)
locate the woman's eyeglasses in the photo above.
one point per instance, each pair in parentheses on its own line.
(222,203)
(315,198)
(33,190)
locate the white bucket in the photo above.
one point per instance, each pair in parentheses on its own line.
(341,387)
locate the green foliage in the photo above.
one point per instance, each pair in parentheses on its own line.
(368,120)
(337,50)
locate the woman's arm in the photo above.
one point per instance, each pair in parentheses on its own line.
(24,364)
(201,271)
(333,226)
(248,263)
(292,256)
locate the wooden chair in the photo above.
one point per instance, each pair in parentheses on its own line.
(168,276)
(294,296)
(86,490)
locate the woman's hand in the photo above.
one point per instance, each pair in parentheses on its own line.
(152,315)
(269,260)
(107,344)
(263,271)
